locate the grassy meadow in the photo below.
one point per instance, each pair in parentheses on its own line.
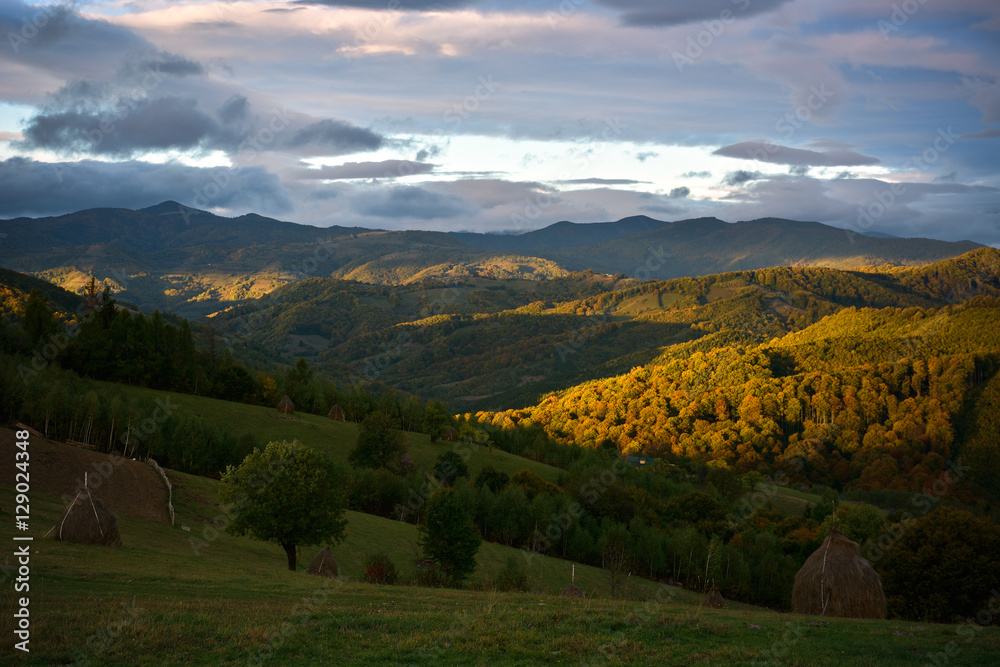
(175,597)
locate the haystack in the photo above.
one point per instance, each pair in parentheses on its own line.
(837,581)
(451,435)
(573,591)
(323,565)
(87,521)
(286,406)
(337,413)
(713,598)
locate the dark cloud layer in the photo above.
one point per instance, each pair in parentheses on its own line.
(405,5)
(676,12)
(134,126)
(741,176)
(35,188)
(383,169)
(335,137)
(411,202)
(83,120)
(777,154)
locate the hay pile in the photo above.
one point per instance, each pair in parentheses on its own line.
(572,591)
(451,435)
(323,565)
(285,406)
(337,413)
(713,598)
(87,521)
(837,581)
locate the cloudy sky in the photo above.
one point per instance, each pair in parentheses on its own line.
(493,115)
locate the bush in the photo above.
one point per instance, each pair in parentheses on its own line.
(512,578)
(380,570)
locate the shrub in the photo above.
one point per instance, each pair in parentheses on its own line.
(379,569)
(512,577)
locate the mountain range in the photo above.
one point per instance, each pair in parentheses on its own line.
(196,263)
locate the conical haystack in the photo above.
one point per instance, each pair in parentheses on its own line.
(337,413)
(837,581)
(713,598)
(286,406)
(323,565)
(87,521)
(572,591)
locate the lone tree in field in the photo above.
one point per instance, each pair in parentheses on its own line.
(449,537)
(379,444)
(287,494)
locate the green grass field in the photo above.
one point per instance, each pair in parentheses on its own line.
(159,600)
(336,439)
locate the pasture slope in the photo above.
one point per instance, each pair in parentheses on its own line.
(176,597)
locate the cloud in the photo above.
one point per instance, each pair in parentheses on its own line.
(86,118)
(601,181)
(645,155)
(411,202)
(762,151)
(740,177)
(28,187)
(988,133)
(696,174)
(134,127)
(676,12)
(169,64)
(335,137)
(404,5)
(680,193)
(352,170)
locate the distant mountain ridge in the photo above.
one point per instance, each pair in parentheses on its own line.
(193,262)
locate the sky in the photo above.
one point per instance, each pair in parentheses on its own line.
(482,115)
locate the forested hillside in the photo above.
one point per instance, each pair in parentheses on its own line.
(863,398)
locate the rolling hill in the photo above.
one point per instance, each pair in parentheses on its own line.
(195,263)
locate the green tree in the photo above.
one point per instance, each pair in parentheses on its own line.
(450,467)
(862,523)
(288,494)
(379,444)
(436,419)
(37,321)
(492,478)
(943,567)
(449,535)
